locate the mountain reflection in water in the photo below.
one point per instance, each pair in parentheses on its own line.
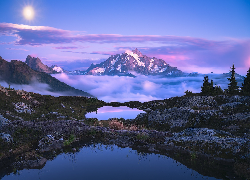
(106,112)
(98,161)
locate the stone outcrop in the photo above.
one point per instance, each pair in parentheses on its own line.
(37,65)
(193,111)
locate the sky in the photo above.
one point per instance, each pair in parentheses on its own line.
(192,35)
(106,112)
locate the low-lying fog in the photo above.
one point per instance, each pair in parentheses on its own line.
(142,88)
(122,89)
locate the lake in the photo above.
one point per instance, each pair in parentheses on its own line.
(106,112)
(98,161)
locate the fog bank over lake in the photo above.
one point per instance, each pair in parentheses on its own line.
(141,88)
(123,89)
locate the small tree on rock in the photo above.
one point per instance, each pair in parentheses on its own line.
(246,85)
(232,86)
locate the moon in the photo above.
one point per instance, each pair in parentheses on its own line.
(28,12)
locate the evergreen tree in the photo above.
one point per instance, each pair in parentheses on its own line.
(207,88)
(218,90)
(188,93)
(232,86)
(246,84)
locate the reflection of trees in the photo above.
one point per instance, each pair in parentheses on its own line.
(71,157)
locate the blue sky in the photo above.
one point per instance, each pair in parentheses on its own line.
(193,35)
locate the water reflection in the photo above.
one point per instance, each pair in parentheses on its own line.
(99,161)
(106,112)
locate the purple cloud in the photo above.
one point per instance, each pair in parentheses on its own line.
(105,52)
(215,54)
(20,49)
(175,50)
(38,35)
(61,47)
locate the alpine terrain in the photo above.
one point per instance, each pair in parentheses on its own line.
(133,61)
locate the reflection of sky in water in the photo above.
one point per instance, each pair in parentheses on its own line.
(106,112)
(112,163)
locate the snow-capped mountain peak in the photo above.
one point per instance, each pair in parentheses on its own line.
(132,61)
(57,68)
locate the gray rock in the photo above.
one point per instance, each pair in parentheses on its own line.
(6,137)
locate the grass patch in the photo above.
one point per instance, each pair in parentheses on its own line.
(70,140)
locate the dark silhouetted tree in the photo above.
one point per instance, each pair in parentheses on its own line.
(218,90)
(246,85)
(232,86)
(207,88)
(188,93)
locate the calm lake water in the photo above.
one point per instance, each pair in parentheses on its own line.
(106,112)
(96,162)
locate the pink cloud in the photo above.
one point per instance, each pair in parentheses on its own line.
(65,47)
(38,35)
(106,109)
(34,55)
(105,52)
(171,58)
(175,50)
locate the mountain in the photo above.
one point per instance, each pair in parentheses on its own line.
(18,72)
(58,69)
(133,61)
(36,64)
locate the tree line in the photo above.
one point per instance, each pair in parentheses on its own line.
(208,88)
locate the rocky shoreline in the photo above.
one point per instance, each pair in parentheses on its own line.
(55,134)
(213,131)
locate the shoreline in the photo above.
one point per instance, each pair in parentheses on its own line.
(210,130)
(147,141)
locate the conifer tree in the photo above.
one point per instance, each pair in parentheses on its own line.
(207,88)
(232,86)
(246,84)
(218,90)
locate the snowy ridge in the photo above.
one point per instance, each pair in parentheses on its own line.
(57,69)
(133,61)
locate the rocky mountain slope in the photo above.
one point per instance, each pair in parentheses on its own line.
(133,61)
(37,65)
(18,72)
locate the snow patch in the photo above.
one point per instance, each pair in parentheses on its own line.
(156,68)
(136,58)
(163,69)
(119,67)
(99,70)
(57,69)
(113,62)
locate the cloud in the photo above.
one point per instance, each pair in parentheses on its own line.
(104,52)
(18,49)
(35,35)
(124,89)
(106,112)
(114,109)
(81,64)
(62,47)
(142,88)
(181,52)
(204,57)
(35,87)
